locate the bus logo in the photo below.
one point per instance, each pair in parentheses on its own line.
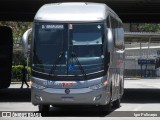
(67,91)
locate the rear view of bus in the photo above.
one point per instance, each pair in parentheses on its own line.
(71,51)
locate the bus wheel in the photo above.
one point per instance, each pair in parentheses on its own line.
(44,108)
(117,103)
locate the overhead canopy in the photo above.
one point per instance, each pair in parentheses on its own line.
(150,42)
(128,10)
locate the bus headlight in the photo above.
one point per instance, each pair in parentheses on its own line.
(94,87)
(37,86)
(105,83)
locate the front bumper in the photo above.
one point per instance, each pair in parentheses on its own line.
(79,96)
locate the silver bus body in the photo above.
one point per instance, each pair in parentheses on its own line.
(90,86)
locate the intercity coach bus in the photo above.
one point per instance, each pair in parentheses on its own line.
(77,56)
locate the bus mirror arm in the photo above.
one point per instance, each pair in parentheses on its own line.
(110,40)
(25,41)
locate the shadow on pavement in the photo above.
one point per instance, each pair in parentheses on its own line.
(76,111)
(15,95)
(141,96)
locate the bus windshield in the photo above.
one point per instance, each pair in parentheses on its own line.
(68,49)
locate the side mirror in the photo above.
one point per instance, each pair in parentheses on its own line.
(25,41)
(119,38)
(110,40)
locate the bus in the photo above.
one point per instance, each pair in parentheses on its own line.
(6,50)
(77,56)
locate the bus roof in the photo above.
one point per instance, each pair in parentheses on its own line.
(73,12)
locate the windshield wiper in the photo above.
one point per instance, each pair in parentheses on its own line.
(73,55)
(52,71)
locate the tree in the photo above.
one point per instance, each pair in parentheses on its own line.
(146,27)
(18,28)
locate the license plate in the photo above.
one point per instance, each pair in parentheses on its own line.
(68,99)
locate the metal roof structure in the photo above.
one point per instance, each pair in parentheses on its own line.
(129,11)
(142,36)
(141,45)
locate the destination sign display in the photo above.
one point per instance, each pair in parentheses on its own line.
(52,27)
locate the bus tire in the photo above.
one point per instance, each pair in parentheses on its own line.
(117,103)
(43,108)
(121,88)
